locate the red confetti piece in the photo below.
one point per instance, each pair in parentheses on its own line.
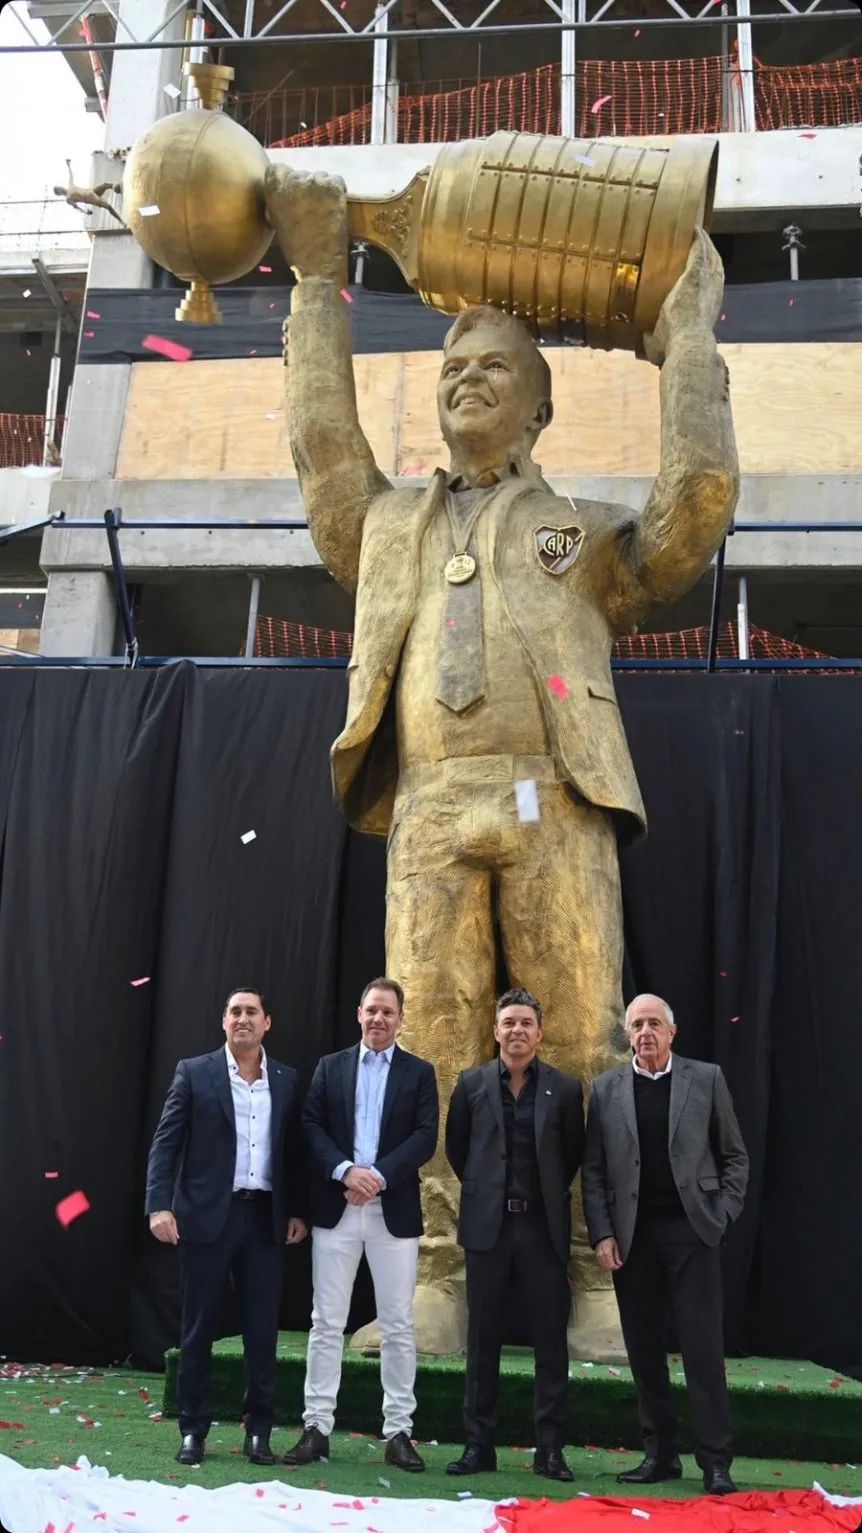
(790,302)
(736,1019)
(144,1394)
(260,1492)
(558,686)
(51,1176)
(346,296)
(12,1426)
(722,319)
(835,1383)
(91,314)
(88,335)
(637,32)
(808,135)
(597,105)
(165,348)
(266,269)
(71,1208)
(722,973)
(136,982)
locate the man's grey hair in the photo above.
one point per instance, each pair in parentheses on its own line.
(667,1011)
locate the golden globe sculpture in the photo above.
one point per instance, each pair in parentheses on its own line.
(203,174)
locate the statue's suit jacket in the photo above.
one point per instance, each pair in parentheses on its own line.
(369,537)
(708,1158)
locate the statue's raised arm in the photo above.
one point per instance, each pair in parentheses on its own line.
(694,495)
(337,473)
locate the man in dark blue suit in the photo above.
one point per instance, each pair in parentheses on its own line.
(225,1182)
(370,1119)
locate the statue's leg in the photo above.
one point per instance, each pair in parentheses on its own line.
(561,920)
(440,947)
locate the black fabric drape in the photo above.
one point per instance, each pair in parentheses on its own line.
(823,309)
(123,800)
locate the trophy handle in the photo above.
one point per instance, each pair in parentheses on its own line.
(392,224)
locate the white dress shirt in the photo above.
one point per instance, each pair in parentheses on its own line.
(652,1075)
(252,1110)
(372,1073)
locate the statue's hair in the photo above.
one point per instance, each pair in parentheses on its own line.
(510,328)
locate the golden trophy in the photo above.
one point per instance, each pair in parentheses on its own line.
(581,238)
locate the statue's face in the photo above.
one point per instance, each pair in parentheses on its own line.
(486,395)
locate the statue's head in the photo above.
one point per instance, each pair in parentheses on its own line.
(494,392)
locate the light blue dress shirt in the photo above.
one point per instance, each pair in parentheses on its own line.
(372,1074)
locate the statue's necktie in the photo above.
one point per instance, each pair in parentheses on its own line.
(461,661)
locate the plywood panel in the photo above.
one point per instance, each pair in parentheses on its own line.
(797,409)
(225,420)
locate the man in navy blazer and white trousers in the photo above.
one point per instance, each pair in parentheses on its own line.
(225,1182)
(370,1120)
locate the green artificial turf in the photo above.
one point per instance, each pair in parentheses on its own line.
(114,1419)
(780,1409)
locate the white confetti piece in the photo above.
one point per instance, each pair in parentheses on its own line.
(151,211)
(250,835)
(527,800)
(27,293)
(171,90)
(636,1512)
(465,1495)
(272,415)
(582,159)
(385,1483)
(434,1444)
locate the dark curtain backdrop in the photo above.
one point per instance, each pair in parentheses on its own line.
(123,798)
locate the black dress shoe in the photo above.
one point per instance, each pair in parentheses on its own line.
(401,1453)
(651,1470)
(551,1463)
(474,1460)
(191,1449)
(312,1447)
(717,1481)
(257,1449)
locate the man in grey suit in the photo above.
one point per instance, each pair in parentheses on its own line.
(664,1175)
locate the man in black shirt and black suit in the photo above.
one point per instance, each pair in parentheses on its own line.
(514,1138)
(664,1176)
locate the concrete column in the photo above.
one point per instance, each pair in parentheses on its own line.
(79,607)
(80,616)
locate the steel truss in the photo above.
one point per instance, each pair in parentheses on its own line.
(567,17)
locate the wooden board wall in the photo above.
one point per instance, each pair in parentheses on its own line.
(797,408)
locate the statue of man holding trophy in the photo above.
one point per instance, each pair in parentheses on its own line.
(486,607)
(483,737)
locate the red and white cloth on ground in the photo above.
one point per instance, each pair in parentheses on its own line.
(69,1500)
(754,1511)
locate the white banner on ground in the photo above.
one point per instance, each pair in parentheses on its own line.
(86,1498)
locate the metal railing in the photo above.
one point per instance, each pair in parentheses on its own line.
(112,523)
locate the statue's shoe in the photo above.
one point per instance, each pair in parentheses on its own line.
(441,1325)
(596,1336)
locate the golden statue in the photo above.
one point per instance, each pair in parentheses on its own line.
(486,607)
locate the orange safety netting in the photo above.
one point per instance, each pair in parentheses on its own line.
(613,96)
(277,637)
(22,439)
(818,95)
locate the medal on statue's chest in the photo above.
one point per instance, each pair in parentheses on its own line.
(460,569)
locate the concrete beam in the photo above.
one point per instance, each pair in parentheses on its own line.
(765,497)
(763,178)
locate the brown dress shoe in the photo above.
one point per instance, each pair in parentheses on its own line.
(401,1453)
(311,1448)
